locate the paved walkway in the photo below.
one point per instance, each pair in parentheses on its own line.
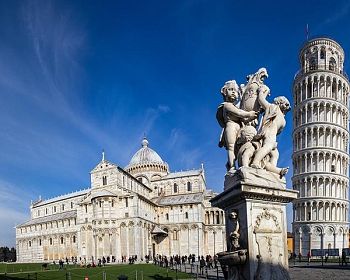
(319,272)
(297,271)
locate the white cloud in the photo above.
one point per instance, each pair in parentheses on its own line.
(341,12)
(14,209)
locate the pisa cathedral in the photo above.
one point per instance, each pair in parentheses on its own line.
(320,152)
(141,210)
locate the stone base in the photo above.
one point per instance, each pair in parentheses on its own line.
(255,177)
(262,222)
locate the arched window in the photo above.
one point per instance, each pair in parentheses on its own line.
(104,180)
(73,238)
(332,64)
(322,54)
(50,241)
(186,215)
(61,240)
(175,237)
(30,243)
(39,242)
(189,186)
(313,63)
(175,188)
(167,216)
(217,218)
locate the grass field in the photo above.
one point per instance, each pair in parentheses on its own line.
(136,271)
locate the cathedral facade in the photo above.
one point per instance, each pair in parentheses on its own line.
(143,209)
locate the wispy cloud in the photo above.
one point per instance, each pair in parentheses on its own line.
(176,137)
(339,13)
(14,209)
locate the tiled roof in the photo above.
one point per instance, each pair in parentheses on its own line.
(180,199)
(54,217)
(62,197)
(186,173)
(102,193)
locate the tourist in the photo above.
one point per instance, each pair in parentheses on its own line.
(343,257)
(60,262)
(202,265)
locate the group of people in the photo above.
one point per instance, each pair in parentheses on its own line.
(326,256)
(208,262)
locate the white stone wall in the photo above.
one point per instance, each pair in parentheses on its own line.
(320,144)
(47,244)
(116,217)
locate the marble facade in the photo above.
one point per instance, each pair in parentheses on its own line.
(141,210)
(320,152)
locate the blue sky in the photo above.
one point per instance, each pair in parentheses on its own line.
(77,77)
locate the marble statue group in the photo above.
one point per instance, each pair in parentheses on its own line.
(250,124)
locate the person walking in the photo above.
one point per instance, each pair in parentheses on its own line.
(343,258)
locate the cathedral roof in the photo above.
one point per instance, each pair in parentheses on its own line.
(50,218)
(179,199)
(62,197)
(180,174)
(145,155)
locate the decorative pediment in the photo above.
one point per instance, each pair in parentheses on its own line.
(103,165)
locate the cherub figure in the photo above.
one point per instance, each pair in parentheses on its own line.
(271,125)
(246,146)
(231,119)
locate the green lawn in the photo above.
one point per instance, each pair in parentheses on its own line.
(136,271)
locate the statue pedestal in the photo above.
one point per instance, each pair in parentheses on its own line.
(259,197)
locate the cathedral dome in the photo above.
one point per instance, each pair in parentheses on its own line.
(145,155)
(145,160)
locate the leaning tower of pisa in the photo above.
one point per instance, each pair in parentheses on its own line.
(320,148)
